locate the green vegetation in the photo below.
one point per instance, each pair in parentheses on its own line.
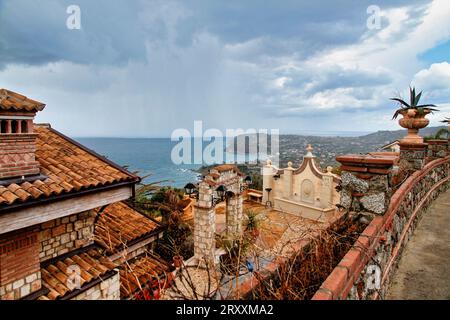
(441,134)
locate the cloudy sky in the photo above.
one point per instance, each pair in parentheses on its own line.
(142,68)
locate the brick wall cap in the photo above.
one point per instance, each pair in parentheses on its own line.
(368,159)
(438,141)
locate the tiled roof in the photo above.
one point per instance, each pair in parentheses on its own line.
(214,175)
(227,167)
(119,224)
(56,276)
(140,274)
(69,167)
(12,101)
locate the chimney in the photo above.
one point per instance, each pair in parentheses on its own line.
(17,140)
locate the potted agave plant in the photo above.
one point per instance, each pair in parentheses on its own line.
(413,115)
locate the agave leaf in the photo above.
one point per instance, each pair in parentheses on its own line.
(396,114)
(412,95)
(402,102)
(416,100)
(427,106)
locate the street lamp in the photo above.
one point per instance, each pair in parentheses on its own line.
(190,189)
(221,191)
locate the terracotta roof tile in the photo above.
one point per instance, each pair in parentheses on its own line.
(55,276)
(227,167)
(66,174)
(10,100)
(140,275)
(118,224)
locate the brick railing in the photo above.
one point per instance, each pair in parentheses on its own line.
(366,269)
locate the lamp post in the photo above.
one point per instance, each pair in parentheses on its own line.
(221,191)
(190,189)
(247,182)
(268,202)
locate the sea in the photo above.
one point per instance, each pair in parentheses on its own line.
(151,157)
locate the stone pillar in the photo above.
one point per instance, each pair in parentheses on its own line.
(30,126)
(268,173)
(8,126)
(234,216)
(19,126)
(366,183)
(413,154)
(204,225)
(326,194)
(437,149)
(287,181)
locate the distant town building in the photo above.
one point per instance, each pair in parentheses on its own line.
(393,146)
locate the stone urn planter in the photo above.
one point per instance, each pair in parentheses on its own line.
(413,116)
(413,120)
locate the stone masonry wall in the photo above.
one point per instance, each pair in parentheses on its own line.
(205,225)
(62,235)
(108,289)
(366,286)
(19,264)
(366,269)
(234,216)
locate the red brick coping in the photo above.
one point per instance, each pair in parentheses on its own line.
(247,286)
(341,280)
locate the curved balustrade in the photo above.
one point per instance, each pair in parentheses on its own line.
(365,270)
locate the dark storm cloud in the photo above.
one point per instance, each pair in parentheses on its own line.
(145,67)
(34,32)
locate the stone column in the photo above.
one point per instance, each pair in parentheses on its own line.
(413,154)
(8,126)
(234,216)
(366,183)
(19,126)
(437,149)
(30,126)
(287,181)
(204,225)
(326,196)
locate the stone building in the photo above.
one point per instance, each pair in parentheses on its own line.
(59,202)
(306,191)
(127,238)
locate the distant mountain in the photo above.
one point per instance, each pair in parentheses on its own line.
(382,138)
(292,147)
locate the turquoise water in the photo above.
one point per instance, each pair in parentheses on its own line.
(149,156)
